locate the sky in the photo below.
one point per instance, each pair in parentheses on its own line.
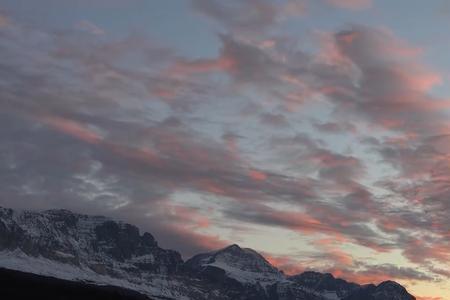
(313,131)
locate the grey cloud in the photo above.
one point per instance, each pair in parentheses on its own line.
(248,16)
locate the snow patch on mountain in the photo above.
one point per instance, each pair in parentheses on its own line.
(242,264)
(153,286)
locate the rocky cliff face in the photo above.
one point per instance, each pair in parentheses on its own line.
(103,245)
(99,250)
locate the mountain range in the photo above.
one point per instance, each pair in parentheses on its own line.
(70,252)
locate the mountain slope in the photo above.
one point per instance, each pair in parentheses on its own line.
(101,251)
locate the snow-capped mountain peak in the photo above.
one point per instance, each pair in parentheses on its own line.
(244,258)
(242,264)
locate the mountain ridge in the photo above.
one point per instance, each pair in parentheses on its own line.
(77,247)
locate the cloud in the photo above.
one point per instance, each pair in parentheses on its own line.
(390,97)
(293,8)
(388,93)
(4,20)
(72,128)
(285,263)
(245,63)
(378,273)
(312,154)
(336,128)
(274,120)
(89,27)
(351,4)
(235,15)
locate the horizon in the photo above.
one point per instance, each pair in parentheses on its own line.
(314,131)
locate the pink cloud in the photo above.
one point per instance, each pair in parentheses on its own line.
(285,263)
(183,68)
(393,83)
(4,20)
(73,128)
(257,175)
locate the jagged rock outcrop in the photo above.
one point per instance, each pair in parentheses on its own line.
(324,283)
